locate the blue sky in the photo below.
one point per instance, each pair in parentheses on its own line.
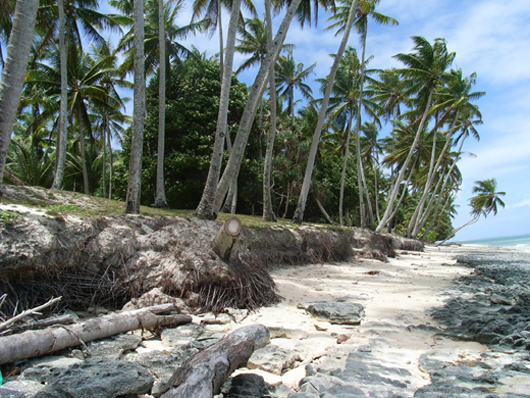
(491,38)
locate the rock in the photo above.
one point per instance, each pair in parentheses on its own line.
(247,385)
(8,393)
(344,313)
(272,359)
(102,378)
(163,363)
(113,347)
(183,334)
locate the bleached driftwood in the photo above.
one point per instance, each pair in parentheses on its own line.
(203,375)
(225,242)
(34,343)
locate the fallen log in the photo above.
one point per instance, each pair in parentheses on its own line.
(35,343)
(225,242)
(203,375)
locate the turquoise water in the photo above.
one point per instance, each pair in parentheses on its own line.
(510,241)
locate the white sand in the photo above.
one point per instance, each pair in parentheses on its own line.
(395,295)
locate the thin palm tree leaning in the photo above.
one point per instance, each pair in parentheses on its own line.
(210,205)
(425,69)
(365,9)
(63,127)
(132,202)
(457,95)
(302,199)
(206,208)
(13,73)
(160,194)
(256,40)
(268,212)
(210,10)
(485,202)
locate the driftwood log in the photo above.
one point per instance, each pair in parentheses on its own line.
(225,242)
(203,375)
(35,343)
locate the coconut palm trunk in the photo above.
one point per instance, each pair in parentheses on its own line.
(302,200)
(135,163)
(268,213)
(234,162)
(63,123)
(430,179)
(446,180)
(160,195)
(390,208)
(14,71)
(86,188)
(361,180)
(344,168)
(206,206)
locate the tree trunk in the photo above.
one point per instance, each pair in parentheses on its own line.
(203,375)
(268,212)
(390,205)
(446,179)
(104,133)
(82,150)
(160,196)
(62,132)
(360,171)
(344,167)
(221,44)
(134,183)
(299,212)
(206,206)
(324,212)
(472,221)
(225,242)
(430,179)
(111,165)
(247,119)
(14,72)
(41,342)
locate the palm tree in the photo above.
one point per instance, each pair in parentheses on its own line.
(365,9)
(205,207)
(302,199)
(425,68)
(467,126)
(252,41)
(372,149)
(455,97)
(212,203)
(291,76)
(211,9)
(63,126)
(135,163)
(14,71)
(485,202)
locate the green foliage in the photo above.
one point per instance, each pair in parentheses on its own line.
(9,217)
(192,104)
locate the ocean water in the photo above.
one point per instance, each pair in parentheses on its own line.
(505,241)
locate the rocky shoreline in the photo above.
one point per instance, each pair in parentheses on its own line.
(332,337)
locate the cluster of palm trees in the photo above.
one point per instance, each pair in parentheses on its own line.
(68,79)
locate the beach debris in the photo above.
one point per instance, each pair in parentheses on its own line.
(34,343)
(203,375)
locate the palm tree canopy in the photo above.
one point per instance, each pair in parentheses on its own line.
(487,199)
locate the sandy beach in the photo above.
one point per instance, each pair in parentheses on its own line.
(396,328)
